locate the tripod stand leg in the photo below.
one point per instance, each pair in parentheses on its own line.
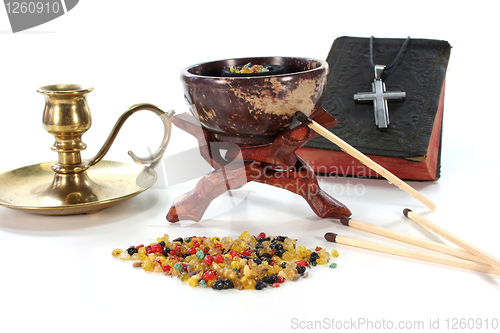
(193,204)
(303,181)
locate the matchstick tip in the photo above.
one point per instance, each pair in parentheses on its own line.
(331,237)
(406,211)
(345,220)
(301,116)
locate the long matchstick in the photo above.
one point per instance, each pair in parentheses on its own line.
(452,238)
(409,239)
(394,250)
(364,159)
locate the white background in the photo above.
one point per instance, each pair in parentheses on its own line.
(58,274)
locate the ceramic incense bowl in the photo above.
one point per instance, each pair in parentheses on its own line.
(253,109)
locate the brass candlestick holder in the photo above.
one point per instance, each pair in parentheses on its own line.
(72,185)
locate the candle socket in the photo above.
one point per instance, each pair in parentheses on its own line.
(67,117)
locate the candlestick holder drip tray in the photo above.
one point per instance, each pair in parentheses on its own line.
(108,183)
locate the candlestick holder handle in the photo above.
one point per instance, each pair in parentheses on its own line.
(154,158)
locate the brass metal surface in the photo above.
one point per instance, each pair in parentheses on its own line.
(32,188)
(72,185)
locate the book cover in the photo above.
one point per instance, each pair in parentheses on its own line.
(411,146)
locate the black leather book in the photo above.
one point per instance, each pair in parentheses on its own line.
(411,146)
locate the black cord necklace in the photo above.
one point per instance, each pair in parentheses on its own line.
(407,40)
(379,96)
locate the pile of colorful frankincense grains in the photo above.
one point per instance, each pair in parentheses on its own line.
(249,68)
(247,262)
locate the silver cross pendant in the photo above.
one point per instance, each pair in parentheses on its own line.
(379,97)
